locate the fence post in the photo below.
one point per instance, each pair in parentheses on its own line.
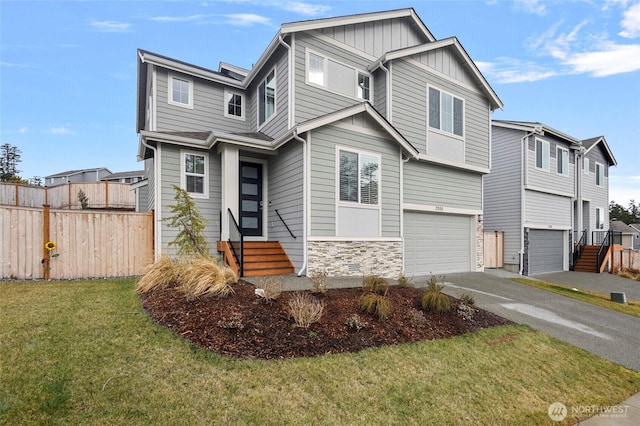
(45,237)
(17,196)
(106,194)
(69,195)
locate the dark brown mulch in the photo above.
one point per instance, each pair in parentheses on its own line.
(245,326)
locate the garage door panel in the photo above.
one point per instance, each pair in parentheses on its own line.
(437,243)
(546,251)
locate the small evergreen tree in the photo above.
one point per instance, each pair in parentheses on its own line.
(84,200)
(186,216)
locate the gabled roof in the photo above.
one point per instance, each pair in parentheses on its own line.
(121,175)
(635,226)
(76,172)
(616,225)
(455,44)
(536,127)
(590,143)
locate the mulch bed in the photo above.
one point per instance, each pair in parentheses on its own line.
(246,326)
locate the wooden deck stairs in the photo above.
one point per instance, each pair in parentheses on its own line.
(260,258)
(588,260)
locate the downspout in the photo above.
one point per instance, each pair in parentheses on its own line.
(290,82)
(305,193)
(388,92)
(156,189)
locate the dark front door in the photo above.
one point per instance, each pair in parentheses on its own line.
(251,198)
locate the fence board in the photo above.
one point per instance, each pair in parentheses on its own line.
(626,259)
(494,249)
(90,244)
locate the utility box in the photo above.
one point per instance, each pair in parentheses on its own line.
(619,297)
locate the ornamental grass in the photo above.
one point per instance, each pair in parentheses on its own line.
(207,276)
(162,274)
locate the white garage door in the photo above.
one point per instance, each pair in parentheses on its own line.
(546,251)
(437,243)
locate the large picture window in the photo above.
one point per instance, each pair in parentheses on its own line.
(359,179)
(542,154)
(194,174)
(446,112)
(267,98)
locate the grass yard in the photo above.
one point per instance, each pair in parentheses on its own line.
(601,299)
(86,353)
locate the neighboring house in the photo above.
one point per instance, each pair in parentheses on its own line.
(539,178)
(629,235)
(125,177)
(359,143)
(635,227)
(77,176)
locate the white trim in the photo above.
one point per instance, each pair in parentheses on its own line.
(171,76)
(453,164)
(154,90)
(275,98)
(548,150)
(440,209)
(453,118)
(559,161)
(548,227)
(307,68)
(265,196)
(548,191)
(357,204)
(585,166)
(601,185)
(225,102)
(321,238)
(206,176)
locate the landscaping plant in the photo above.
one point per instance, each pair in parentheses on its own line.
(162,274)
(186,216)
(207,276)
(374,300)
(433,299)
(269,287)
(319,281)
(305,309)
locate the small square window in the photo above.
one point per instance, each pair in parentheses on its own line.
(446,112)
(180,91)
(234,105)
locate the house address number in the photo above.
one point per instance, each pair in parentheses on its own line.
(439,208)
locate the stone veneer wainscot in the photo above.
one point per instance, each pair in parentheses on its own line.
(355,258)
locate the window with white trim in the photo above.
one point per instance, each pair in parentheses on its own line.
(446,112)
(316,69)
(180,91)
(267,98)
(233,104)
(542,154)
(586,166)
(193,177)
(337,77)
(599,174)
(364,86)
(562,161)
(359,177)
(599,218)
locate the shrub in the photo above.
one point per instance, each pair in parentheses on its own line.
(160,275)
(186,217)
(467,299)
(465,312)
(232,322)
(373,303)
(207,276)
(375,284)
(269,287)
(632,274)
(403,281)
(416,317)
(319,282)
(305,309)
(356,323)
(433,299)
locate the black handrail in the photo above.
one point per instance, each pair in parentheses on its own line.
(610,238)
(577,251)
(285,224)
(240,249)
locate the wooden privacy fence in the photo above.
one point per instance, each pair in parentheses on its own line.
(625,259)
(89,244)
(100,195)
(494,249)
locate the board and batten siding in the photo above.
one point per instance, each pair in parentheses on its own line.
(209,208)
(550,180)
(207,112)
(503,191)
(432,185)
(286,192)
(597,196)
(409,109)
(323,176)
(547,211)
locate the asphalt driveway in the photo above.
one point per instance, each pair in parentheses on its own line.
(604,283)
(601,331)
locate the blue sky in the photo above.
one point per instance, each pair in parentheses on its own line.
(68,68)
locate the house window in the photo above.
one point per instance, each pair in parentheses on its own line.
(446,112)
(586,166)
(194,174)
(234,105)
(267,98)
(562,161)
(316,69)
(542,154)
(364,86)
(599,218)
(180,91)
(359,177)
(599,174)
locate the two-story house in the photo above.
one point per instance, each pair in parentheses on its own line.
(77,176)
(545,190)
(358,143)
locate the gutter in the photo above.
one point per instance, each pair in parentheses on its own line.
(305,180)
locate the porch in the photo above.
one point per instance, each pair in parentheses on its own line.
(597,256)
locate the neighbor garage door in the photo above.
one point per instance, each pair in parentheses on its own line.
(546,250)
(437,243)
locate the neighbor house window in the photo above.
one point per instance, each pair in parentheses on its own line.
(180,91)
(599,174)
(194,174)
(446,112)
(364,86)
(359,177)
(267,98)
(586,166)
(234,105)
(599,218)
(542,154)
(562,161)
(316,69)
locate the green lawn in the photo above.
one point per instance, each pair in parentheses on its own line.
(86,353)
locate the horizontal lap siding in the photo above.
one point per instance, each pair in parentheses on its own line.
(598,196)
(550,180)
(502,191)
(547,210)
(279,123)
(433,185)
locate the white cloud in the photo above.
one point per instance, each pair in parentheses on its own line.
(23,130)
(624,188)
(306,8)
(508,70)
(531,6)
(191,18)
(246,19)
(611,59)
(631,22)
(111,26)
(61,130)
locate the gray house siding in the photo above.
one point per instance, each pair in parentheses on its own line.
(409,110)
(149,170)
(547,211)
(550,180)
(502,191)
(323,178)
(286,192)
(380,92)
(597,196)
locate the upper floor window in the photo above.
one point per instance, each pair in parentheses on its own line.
(364,86)
(446,112)
(338,77)
(562,161)
(542,154)
(193,178)
(359,177)
(316,69)
(586,166)
(599,174)
(267,98)
(180,91)
(599,218)
(234,105)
